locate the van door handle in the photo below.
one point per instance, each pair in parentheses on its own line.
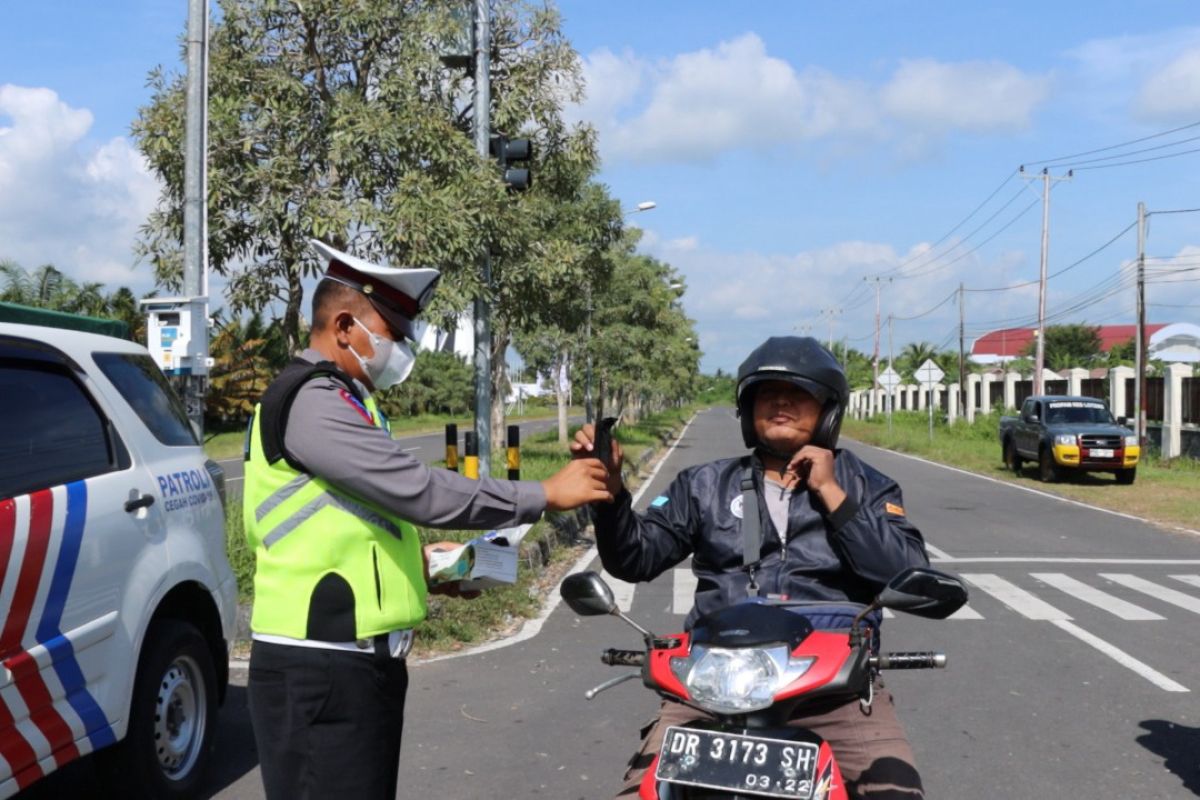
(142,501)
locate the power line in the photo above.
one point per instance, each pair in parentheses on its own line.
(949,297)
(1139,160)
(1051,161)
(1135,152)
(1067,268)
(935,267)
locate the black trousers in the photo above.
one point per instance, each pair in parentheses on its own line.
(327,723)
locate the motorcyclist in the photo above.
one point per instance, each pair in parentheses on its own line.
(831,528)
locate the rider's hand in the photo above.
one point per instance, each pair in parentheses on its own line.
(581,481)
(583,447)
(814,466)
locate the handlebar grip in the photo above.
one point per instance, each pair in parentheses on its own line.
(623,658)
(928,660)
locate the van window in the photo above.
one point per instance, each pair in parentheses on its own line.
(144,387)
(50,432)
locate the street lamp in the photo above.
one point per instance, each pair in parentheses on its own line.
(589,408)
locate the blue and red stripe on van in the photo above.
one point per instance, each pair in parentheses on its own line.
(15,749)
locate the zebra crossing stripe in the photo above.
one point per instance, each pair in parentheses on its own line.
(1088,594)
(1120,656)
(622,591)
(1191,580)
(1185,601)
(1016,598)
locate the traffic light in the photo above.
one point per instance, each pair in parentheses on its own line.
(506,151)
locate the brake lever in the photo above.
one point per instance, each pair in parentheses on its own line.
(610,683)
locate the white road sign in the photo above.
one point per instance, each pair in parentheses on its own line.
(889,378)
(929,372)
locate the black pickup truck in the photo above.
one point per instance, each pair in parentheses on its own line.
(1061,432)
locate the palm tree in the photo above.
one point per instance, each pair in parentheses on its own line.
(914,355)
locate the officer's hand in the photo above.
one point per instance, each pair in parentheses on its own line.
(450,588)
(814,466)
(583,447)
(581,481)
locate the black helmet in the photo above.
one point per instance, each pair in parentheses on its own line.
(803,362)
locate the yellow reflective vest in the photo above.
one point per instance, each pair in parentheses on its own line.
(330,566)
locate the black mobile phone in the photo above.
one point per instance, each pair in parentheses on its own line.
(602,442)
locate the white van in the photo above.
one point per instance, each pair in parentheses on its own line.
(116,599)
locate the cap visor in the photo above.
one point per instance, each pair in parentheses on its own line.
(395,320)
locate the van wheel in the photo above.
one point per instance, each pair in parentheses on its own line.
(1047,470)
(1126,477)
(172,716)
(1012,459)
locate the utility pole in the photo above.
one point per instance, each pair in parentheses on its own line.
(1040,353)
(891,365)
(195,208)
(1139,385)
(830,312)
(962,351)
(483,325)
(877,280)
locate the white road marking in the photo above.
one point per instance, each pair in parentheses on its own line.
(1120,656)
(1099,599)
(938,553)
(410,449)
(1191,580)
(1177,562)
(684,593)
(1016,598)
(1171,596)
(966,612)
(238,478)
(622,591)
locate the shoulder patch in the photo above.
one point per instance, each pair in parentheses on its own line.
(892,508)
(359,407)
(660,501)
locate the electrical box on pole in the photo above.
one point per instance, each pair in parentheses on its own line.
(177,335)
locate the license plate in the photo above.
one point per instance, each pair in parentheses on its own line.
(1100,452)
(743,764)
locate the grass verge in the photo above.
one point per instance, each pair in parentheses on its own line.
(1167,492)
(549,548)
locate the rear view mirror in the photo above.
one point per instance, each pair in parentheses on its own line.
(924,592)
(588,595)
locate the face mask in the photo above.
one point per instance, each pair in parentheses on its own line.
(391,362)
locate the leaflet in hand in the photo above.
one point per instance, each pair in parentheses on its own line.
(485,561)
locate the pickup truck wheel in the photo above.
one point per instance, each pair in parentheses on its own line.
(1012,459)
(1126,477)
(172,716)
(1047,470)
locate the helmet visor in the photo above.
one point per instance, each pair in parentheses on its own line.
(819,391)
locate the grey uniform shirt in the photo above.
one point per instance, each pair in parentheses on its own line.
(332,436)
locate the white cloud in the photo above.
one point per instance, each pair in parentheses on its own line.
(698,105)
(973,96)
(66,201)
(1173,92)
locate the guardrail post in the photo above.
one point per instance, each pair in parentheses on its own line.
(471,462)
(452,447)
(514,452)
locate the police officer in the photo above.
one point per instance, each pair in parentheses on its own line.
(330,505)
(796,517)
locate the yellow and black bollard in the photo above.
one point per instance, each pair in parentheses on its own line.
(514,452)
(452,446)
(471,462)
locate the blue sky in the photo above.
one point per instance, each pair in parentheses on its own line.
(793,149)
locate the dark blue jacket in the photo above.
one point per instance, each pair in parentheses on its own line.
(845,556)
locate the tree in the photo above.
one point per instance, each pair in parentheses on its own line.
(339,121)
(912,356)
(47,287)
(1068,346)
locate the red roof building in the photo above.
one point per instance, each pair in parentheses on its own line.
(1009,343)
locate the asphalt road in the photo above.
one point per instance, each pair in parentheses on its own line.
(1071,673)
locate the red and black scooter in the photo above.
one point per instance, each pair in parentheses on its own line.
(753,666)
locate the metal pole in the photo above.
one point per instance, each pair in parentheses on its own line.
(483,326)
(1139,385)
(589,408)
(962,351)
(891,365)
(1040,358)
(195,238)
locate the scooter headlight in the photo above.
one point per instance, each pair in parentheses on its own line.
(737,680)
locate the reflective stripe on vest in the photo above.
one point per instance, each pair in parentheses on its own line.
(316,504)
